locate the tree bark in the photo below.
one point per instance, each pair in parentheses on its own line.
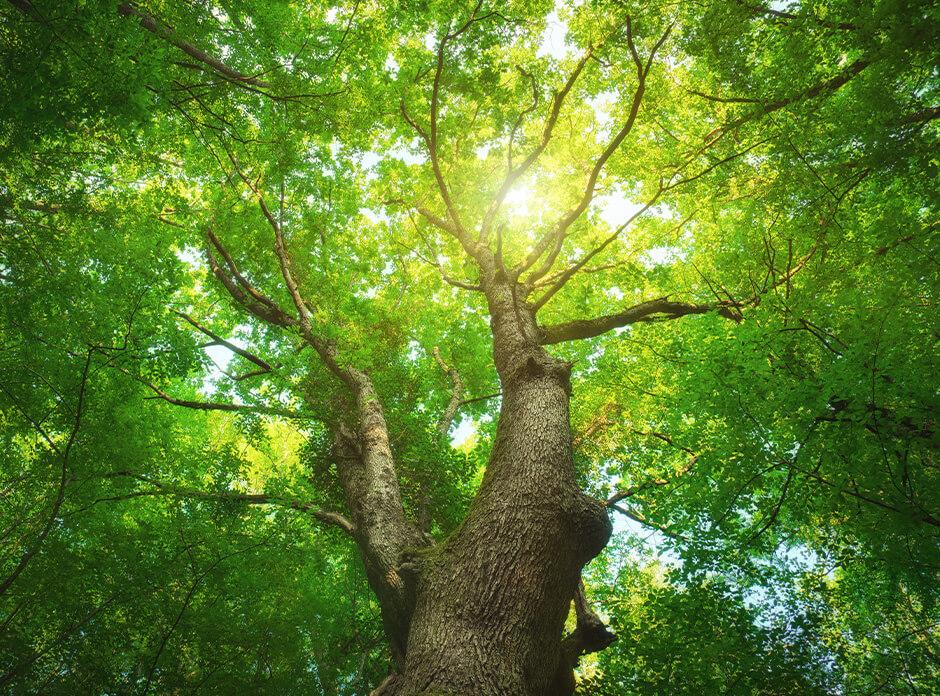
(492,599)
(385,537)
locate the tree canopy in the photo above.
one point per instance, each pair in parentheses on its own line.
(227,226)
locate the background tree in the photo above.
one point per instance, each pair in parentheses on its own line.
(333,333)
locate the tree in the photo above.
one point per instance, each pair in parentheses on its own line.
(674,262)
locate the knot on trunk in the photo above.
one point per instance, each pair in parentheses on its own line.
(592,635)
(592,526)
(540,365)
(410,570)
(589,636)
(388,687)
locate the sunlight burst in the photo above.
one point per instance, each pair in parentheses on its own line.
(518,200)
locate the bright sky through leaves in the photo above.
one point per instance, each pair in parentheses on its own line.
(344,343)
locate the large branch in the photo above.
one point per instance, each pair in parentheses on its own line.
(355,379)
(757,9)
(165,32)
(464,285)
(265,309)
(456,396)
(662,309)
(437,221)
(642,519)
(522,114)
(365,462)
(240,289)
(763,108)
(326,349)
(825,87)
(590,634)
(220,405)
(653,310)
(854,491)
(920,117)
(650,483)
(430,137)
(211,405)
(262,365)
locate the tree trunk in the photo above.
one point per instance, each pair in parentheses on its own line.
(382,532)
(493,598)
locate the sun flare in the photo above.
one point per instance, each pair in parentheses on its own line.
(519,200)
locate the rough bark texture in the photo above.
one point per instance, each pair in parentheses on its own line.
(384,535)
(493,598)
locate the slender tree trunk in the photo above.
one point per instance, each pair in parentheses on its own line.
(493,598)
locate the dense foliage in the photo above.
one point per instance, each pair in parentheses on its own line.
(166,466)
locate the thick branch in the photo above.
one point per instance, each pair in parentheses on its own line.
(366,465)
(430,136)
(855,492)
(644,520)
(221,406)
(356,380)
(825,87)
(661,308)
(438,221)
(165,32)
(522,114)
(240,289)
(324,348)
(213,405)
(447,418)
(464,285)
(922,116)
(790,16)
(280,250)
(651,483)
(38,206)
